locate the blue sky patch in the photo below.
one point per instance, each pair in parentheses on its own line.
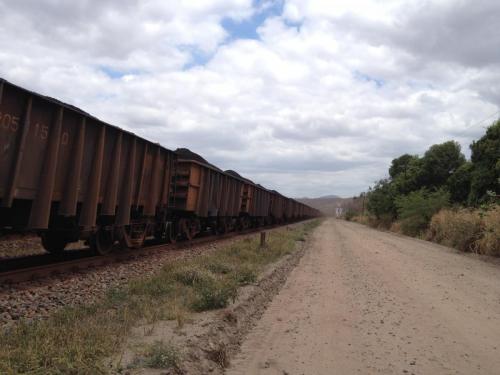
(295,25)
(379,82)
(117,73)
(247,28)
(198,57)
(238,29)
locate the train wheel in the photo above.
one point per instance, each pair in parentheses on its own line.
(214,227)
(185,229)
(102,242)
(166,234)
(242,224)
(232,225)
(133,236)
(222,226)
(171,233)
(53,242)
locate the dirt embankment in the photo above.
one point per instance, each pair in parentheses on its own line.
(207,341)
(365,302)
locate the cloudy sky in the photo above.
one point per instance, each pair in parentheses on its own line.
(308,97)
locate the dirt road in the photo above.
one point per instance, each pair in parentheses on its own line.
(364,302)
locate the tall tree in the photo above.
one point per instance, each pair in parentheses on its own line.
(459,183)
(485,158)
(440,162)
(411,177)
(401,165)
(381,200)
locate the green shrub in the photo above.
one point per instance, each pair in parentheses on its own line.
(245,274)
(159,355)
(219,266)
(416,209)
(350,214)
(191,275)
(153,287)
(214,294)
(381,199)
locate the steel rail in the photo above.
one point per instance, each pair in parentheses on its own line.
(91,262)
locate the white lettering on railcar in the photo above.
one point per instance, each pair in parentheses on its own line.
(9,122)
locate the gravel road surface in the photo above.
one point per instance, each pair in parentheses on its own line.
(365,302)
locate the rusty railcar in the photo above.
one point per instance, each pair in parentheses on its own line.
(205,198)
(295,209)
(70,176)
(300,210)
(287,210)
(278,205)
(256,205)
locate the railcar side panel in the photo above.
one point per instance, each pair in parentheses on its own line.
(206,192)
(57,161)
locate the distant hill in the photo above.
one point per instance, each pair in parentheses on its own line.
(326,204)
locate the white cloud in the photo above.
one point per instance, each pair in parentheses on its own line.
(320,104)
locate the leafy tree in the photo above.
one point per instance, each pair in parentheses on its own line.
(419,187)
(485,158)
(459,183)
(411,179)
(417,208)
(440,162)
(381,200)
(401,165)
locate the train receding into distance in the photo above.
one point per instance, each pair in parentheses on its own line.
(68,176)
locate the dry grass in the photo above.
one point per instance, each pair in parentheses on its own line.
(470,230)
(371,221)
(489,242)
(77,340)
(361,219)
(456,228)
(396,227)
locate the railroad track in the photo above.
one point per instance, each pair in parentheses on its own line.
(27,268)
(26,261)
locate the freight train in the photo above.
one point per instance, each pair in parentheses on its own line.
(68,176)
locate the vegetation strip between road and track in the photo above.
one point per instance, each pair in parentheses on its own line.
(80,339)
(48,264)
